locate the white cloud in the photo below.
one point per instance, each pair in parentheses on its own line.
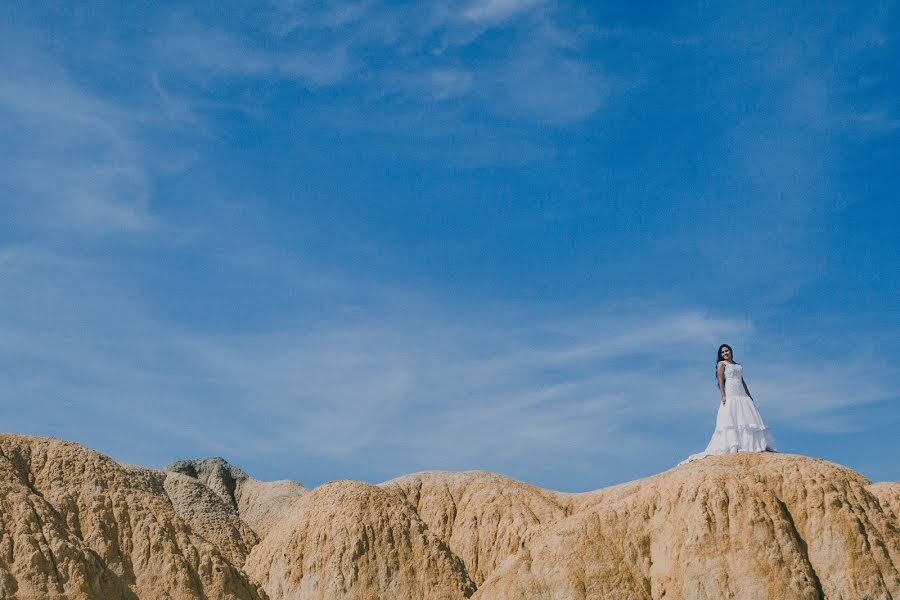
(449,83)
(409,382)
(338,14)
(209,49)
(876,121)
(492,10)
(544,85)
(317,68)
(813,393)
(200,52)
(544,75)
(71,159)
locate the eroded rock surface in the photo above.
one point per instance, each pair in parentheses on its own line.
(210,517)
(888,494)
(740,526)
(484,518)
(260,504)
(75,524)
(349,539)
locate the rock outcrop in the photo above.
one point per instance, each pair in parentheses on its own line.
(349,539)
(259,504)
(484,518)
(737,526)
(888,494)
(205,512)
(75,524)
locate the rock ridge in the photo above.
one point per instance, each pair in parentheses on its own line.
(76,524)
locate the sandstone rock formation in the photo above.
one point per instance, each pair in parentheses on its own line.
(75,524)
(210,517)
(204,511)
(737,526)
(260,504)
(349,539)
(483,518)
(888,494)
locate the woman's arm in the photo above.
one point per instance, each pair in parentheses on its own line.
(746,389)
(720,369)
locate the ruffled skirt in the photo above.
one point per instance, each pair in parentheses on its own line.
(739,428)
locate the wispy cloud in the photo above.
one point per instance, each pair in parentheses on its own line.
(493,10)
(815,394)
(448,83)
(203,52)
(545,84)
(545,75)
(373,380)
(877,121)
(70,158)
(418,385)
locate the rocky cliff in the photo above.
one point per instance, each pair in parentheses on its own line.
(76,524)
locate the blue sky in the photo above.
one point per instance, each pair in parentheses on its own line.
(361,239)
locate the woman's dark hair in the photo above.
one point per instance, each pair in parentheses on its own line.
(720,359)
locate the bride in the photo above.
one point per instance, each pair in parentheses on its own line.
(739,426)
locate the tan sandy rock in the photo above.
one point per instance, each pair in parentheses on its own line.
(153,480)
(748,526)
(210,517)
(207,514)
(888,494)
(75,524)
(40,558)
(484,518)
(353,540)
(260,504)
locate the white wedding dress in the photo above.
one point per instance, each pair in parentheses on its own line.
(739,426)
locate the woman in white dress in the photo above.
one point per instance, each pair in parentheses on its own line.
(739,426)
